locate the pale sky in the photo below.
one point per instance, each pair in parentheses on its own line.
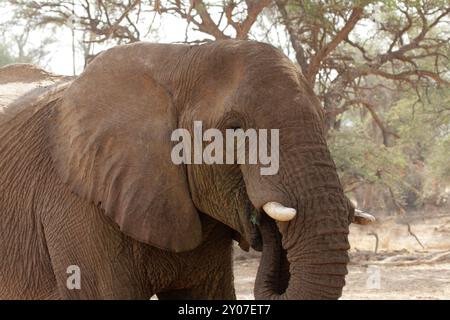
(169,29)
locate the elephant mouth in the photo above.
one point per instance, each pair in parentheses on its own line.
(250,235)
(280,274)
(256,238)
(252,239)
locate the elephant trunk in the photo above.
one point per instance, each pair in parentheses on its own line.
(316,258)
(313,242)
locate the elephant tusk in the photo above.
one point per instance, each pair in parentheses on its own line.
(279,212)
(362,217)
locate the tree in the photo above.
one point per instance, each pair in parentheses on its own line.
(407,45)
(5,56)
(361,57)
(371,63)
(234,19)
(17,50)
(98,22)
(16,38)
(119,21)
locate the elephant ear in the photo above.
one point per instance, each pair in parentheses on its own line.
(110,141)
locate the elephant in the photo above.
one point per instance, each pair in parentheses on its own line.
(87,183)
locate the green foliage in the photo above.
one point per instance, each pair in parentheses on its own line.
(415,167)
(360,158)
(32,55)
(5,56)
(439,160)
(425,131)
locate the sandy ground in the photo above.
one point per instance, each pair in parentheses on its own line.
(401,268)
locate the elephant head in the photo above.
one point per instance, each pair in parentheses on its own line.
(111,145)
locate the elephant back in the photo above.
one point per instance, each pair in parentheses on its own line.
(25,85)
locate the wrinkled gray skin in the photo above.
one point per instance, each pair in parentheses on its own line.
(86,179)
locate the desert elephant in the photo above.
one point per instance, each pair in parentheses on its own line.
(92,207)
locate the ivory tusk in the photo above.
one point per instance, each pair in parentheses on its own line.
(362,217)
(279,212)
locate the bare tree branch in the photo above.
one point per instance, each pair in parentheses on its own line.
(324,51)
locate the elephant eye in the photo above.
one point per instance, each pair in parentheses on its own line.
(233,120)
(234,124)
